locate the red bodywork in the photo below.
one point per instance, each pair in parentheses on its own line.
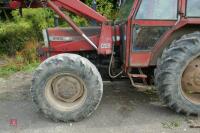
(66,40)
(141,58)
(148,58)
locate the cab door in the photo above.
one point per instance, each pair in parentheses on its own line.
(151,20)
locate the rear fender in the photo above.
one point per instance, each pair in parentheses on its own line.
(156,54)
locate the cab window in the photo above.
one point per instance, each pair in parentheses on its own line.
(158,10)
(193,8)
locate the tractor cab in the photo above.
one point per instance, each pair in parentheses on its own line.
(149,19)
(154,20)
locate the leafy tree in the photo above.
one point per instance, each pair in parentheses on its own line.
(105,7)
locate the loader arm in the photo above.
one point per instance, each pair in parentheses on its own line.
(79,8)
(75,6)
(103,41)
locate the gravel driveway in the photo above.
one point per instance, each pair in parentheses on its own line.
(122,110)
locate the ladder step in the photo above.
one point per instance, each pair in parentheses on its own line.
(138,76)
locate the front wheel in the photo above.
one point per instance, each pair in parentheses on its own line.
(67,87)
(177,76)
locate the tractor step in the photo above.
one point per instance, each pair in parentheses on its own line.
(140,87)
(143,76)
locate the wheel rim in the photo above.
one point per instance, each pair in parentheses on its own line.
(65,91)
(191,81)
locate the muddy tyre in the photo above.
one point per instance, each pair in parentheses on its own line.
(67,87)
(177,76)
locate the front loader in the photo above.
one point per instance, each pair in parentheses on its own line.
(151,42)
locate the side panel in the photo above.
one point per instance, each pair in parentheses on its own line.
(62,40)
(140,59)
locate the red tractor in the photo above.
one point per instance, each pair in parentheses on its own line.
(152,40)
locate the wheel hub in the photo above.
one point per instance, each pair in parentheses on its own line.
(65,91)
(197,80)
(191,81)
(67,88)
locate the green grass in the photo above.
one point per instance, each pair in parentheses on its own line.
(31,67)
(11,69)
(171,124)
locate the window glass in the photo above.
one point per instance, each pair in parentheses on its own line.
(158,9)
(193,8)
(151,34)
(125,10)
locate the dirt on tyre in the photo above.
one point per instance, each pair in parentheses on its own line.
(177,76)
(67,87)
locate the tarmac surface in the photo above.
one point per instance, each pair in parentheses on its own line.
(122,110)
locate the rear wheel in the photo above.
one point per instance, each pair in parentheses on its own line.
(177,76)
(67,87)
(191,81)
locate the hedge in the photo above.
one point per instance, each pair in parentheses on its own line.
(14,34)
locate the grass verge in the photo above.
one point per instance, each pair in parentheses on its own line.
(24,60)
(11,69)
